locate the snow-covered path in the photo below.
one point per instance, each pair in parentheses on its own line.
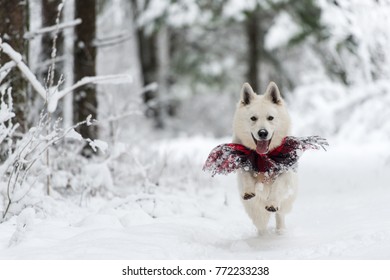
(342,212)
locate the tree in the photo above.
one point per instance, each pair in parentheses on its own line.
(13,25)
(85,99)
(255,41)
(259,18)
(147,48)
(159,36)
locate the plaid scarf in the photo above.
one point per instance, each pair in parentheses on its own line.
(227,158)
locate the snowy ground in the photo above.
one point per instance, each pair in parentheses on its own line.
(342,212)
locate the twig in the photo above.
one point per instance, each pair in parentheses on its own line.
(20,159)
(8,193)
(45,64)
(51,73)
(51,29)
(121,78)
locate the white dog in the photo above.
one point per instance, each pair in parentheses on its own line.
(260,123)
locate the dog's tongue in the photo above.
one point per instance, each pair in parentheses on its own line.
(262,147)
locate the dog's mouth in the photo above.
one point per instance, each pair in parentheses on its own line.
(262,146)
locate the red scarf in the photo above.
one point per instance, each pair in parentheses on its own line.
(227,158)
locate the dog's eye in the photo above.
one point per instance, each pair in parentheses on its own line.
(270,118)
(254,118)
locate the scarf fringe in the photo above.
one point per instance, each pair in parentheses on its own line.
(228,158)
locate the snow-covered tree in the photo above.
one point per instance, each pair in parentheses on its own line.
(258,17)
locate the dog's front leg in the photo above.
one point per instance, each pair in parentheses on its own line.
(247,186)
(274,196)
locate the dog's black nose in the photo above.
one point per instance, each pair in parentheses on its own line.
(262,133)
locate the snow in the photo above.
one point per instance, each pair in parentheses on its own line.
(72,134)
(365,24)
(236,8)
(345,113)
(186,13)
(177,14)
(281,32)
(341,213)
(99,176)
(98,144)
(54,96)
(151,200)
(5,113)
(24,222)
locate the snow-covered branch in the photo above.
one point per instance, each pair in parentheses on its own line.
(9,65)
(6,69)
(52,29)
(17,58)
(121,78)
(56,95)
(113,39)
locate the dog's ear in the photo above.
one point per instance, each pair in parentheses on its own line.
(273,93)
(247,94)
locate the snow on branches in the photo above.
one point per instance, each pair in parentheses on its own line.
(53,95)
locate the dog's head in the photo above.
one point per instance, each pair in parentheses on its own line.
(261,121)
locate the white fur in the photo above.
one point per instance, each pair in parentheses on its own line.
(280,193)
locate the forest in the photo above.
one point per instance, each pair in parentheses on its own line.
(109,109)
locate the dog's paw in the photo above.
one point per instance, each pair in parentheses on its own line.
(271,208)
(280,231)
(248,196)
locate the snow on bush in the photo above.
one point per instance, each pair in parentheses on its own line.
(359,37)
(24,223)
(45,159)
(7,128)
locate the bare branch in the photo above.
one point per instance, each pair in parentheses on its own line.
(52,29)
(121,78)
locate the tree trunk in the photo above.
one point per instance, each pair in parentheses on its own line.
(254,40)
(147,48)
(163,62)
(13,25)
(85,99)
(68,47)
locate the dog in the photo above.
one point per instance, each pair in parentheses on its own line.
(260,123)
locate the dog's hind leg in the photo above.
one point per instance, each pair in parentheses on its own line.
(280,224)
(261,222)
(259,216)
